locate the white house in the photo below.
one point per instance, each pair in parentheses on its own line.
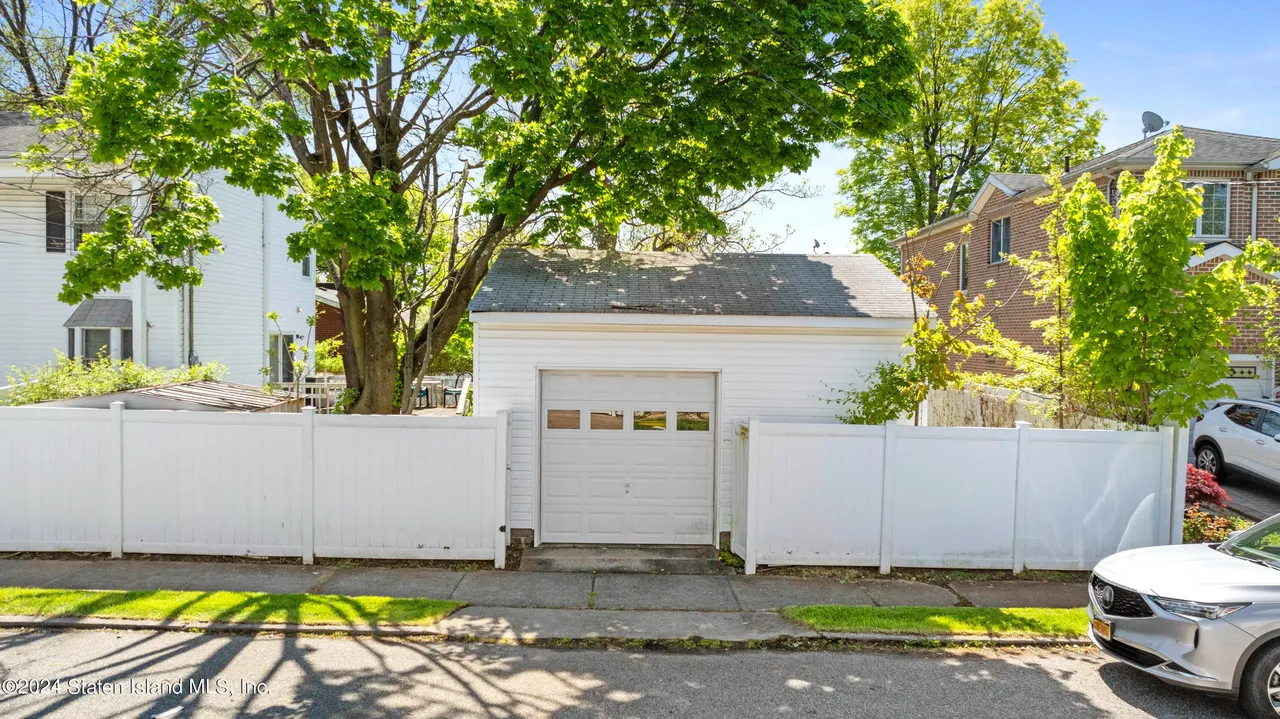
(222,320)
(624,374)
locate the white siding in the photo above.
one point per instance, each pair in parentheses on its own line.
(763,373)
(290,293)
(229,306)
(31,316)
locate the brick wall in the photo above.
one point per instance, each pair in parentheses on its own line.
(328,322)
(1002,283)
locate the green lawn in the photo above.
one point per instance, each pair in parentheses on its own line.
(243,607)
(945,620)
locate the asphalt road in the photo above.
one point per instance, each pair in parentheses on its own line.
(287,677)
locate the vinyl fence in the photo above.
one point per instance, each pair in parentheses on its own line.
(300,485)
(907,496)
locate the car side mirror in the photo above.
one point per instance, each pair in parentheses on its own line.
(1276,438)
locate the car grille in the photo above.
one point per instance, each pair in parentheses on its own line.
(1146,660)
(1127,603)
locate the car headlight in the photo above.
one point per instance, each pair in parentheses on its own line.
(1196,610)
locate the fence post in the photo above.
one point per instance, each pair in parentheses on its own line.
(753,492)
(117,479)
(1178,483)
(1021,478)
(500,490)
(1164,532)
(308,485)
(887,476)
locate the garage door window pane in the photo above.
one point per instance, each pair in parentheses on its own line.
(606,419)
(563,419)
(693,421)
(645,419)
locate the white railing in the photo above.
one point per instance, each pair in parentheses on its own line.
(252,483)
(907,496)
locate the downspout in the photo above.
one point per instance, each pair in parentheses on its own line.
(266,290)
(192,358)
(1253,211)
(140,340)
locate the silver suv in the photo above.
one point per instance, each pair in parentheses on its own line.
(1239,434)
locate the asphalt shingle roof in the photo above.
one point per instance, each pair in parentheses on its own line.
(102,313)
(1019,181)
(594,281)
(1212,147)
(17,132)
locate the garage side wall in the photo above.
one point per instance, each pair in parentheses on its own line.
(763,373)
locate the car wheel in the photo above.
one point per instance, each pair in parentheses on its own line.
(1209,459)
(1260,684)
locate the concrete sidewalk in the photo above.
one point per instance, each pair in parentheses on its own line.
(548,590)
(524,606)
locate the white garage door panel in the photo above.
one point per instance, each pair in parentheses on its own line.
(619,484)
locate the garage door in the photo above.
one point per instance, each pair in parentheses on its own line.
(1251,380)
(627,457)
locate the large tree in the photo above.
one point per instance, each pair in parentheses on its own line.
(423,136)
(38,40)
(992,94)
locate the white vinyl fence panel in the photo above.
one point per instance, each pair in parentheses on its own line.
(253,484)
(422,490)
(910,496)
(55,493)
(213,483)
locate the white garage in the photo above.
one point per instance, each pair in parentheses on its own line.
(625,374)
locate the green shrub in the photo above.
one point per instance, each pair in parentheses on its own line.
(887,396)
(1199,526)
(329,355)
(66,377)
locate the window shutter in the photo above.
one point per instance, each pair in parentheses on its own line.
(71,341)
(55,222)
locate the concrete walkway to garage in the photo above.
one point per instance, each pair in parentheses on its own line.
(507,604)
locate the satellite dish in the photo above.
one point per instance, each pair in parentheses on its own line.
(1152,122)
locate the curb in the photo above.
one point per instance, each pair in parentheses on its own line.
(958,639)
(432,632)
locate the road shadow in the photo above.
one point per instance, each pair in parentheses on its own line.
(321,676)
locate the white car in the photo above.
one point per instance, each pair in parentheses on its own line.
(1240,435)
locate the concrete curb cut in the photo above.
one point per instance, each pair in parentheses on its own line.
(431,631)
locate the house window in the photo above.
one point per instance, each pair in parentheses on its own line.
(97,343)
(126,344)
(1213,223)
(280,359)
(964,267)
(91,214)
(1000,240)
(55,223)
(306,266)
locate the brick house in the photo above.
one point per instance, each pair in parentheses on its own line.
(1241,177)
(328,312)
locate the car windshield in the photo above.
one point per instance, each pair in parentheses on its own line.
(1261,542)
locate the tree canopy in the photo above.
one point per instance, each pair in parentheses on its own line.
(415,139)
(991,94)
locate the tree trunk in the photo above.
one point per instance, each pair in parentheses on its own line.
(377,363)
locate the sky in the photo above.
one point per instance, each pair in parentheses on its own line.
(1213,65)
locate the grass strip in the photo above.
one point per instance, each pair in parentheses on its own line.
(230,607)
(977,621)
